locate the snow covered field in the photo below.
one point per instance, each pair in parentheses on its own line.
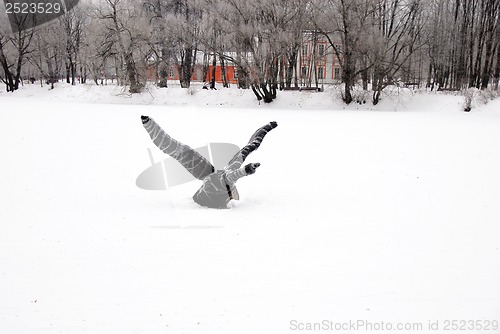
(384,215)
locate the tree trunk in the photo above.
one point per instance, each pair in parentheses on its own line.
(364,78)
(164,69)
(73,73)
(292,63)
(225,83)
(163,78)
(135,86)
(186,67)
(68,80)
(214,71)
(128,57)
(348,77)
(263,92)
(488,64)
(496,74)
(9,79)
(242,78)
(377,85)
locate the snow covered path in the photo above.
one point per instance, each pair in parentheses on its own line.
(353,215)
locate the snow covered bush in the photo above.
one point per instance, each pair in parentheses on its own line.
(358,95)
(475,97)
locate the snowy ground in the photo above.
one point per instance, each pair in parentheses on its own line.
(370,215)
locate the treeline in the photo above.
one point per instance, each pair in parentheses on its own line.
(440,44)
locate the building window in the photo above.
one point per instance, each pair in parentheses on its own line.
(171,72)
(304,72)
(321,50)
(235,71)
(304,51)
(336,73)
(320,73)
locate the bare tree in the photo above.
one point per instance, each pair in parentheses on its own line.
(398,26)
(261,35)
(160,43)
(126,31)
(490,27)
(377,41)
(13,51)
(176,34)
(348,19)
(73,25)
(48,53)
(463,44)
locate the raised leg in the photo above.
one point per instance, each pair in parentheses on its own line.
(252,145)
(194,162)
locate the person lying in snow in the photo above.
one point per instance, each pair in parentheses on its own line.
(218,187)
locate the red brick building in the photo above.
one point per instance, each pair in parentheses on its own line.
(152,73)
(317,61)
